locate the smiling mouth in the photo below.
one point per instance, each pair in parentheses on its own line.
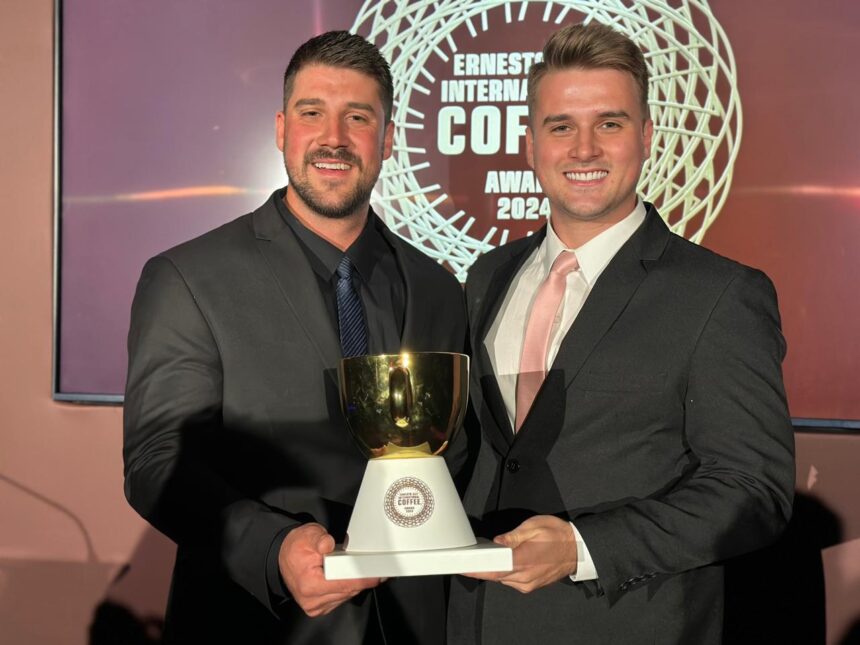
(325,165)
(595,175)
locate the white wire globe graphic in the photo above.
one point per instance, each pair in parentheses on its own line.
(693,99)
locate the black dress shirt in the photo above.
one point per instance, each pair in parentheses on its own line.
(377,278)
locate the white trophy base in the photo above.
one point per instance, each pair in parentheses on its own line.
(483,556)
(408,521)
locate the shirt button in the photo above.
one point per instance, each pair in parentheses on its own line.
(512,466)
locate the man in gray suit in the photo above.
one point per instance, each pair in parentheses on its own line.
(235,444)
(635,434)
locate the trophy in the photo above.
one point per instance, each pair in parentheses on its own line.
(403,410)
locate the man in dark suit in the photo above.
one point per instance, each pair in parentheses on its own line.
(634,425)
(235,444)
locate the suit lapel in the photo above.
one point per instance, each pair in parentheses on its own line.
(610,295)
(296,280)
(492,296)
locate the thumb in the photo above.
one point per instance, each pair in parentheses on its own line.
(325,544)
(511,539)
(526,531)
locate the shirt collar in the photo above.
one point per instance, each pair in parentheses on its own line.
(368,248)
(364,252)
(594,255)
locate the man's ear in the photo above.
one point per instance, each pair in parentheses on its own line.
(647,135)
(388,140)
(280,130)
(530,147)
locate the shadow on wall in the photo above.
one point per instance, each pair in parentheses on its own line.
(114,624)
(50,601)
(776,595)
(132,612)
(853,635)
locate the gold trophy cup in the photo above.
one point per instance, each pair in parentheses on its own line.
(403,410)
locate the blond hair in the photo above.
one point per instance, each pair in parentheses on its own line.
(590,46)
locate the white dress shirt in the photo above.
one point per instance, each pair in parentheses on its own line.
(504,341)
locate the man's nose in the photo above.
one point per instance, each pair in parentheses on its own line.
(333,133)
(585,146)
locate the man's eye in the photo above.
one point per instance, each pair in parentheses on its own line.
(611,125)
(560,128)
(357,117)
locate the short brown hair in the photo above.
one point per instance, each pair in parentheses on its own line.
(346,50)
(590,46)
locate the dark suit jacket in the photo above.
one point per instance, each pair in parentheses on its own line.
(661,431)
(234,433)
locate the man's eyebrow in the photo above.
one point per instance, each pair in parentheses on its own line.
(355,105)
(609,114)
(614,114)
(367,107)
(304,102)
(555,118)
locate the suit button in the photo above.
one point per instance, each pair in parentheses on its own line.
(513,465)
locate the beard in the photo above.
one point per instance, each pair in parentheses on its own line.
(327,203)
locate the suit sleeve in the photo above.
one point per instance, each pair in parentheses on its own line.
(172,416)
(738,495)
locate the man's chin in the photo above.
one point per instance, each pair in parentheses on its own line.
(595,211)
(340,209)
(331,208)
(333,213)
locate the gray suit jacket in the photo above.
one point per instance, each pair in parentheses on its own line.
(234,433)
(661,431)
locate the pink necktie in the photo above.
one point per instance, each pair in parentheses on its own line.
(539,331)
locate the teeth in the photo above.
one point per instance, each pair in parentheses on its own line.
(586,176)
(332,166)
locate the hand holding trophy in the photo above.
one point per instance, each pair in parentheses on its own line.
(403,410)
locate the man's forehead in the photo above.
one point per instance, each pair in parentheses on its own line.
(318,71)
(592,92)
(602,78)
(320,82)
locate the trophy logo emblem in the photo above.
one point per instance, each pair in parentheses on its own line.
(408,502)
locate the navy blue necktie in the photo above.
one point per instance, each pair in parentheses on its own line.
(350,316)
